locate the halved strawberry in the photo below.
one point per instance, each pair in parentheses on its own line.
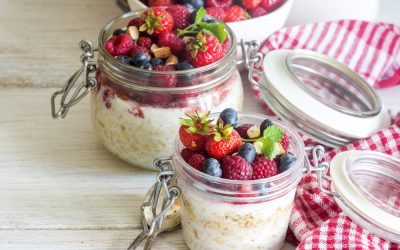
(225,140)
(194,131)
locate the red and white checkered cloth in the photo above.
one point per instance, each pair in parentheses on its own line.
(373,51)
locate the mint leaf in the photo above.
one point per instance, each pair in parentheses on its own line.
(273,133)
(270,148)
(217,29)
(199,15)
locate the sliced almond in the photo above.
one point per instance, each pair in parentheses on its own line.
(153,47)
(133,32)
(172,60)
(163,52)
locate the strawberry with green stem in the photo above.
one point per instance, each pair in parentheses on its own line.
(203,50)
(156,21)
(194,131)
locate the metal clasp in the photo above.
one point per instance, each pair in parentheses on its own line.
(252,60)
(89,82)
(320,167)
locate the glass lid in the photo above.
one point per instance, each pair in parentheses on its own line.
(323,98)
(368,188)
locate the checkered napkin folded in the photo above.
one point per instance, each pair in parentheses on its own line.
(373,51)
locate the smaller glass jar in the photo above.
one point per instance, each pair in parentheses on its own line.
(136,118)
(219,213)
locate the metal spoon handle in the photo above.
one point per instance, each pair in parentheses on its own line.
(137,241)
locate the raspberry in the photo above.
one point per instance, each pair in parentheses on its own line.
(234,13)
(196,161)
(250,4)
(285,142)
(136,22)
(169,39)
(155,3)
(137,49)
(270,5)
(119,45)
(219,3)
(144,41)
(257,11)
(264,168)
(226,46)
(165,80)
(187,154)
(216,12)
(236,168)
(180,14)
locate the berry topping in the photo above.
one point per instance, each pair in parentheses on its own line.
(219,3)
(286,161)
(270,5)
(119,45)
(257,11)
(236,168)
(186,79)
(251,4)
(144,41)
(156,3)
(225,140)
(196,161)
(264,167)
(125,59)
(229,116)
(270,146)
(164,80)
(118,32)
(180,14)
(140,59)
(156,61)
(156,20)
(265,124)
(248,131)
(203,50)
(196,4)
(137,49)
(235,13)
(216,12)
(212,167)
(187,154)
(184,66)
(137,22)
(169,39)
(194,131)
(247,151)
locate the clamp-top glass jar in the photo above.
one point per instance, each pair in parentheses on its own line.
(135,118)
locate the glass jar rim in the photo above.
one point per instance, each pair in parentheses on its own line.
(298,167)
(228,57)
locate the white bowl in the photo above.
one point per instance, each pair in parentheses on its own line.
(258,28)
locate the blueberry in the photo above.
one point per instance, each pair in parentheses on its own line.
(212,167)
(190,7)
(192,17)
(147,66)
(156,61)
(265,124)
(187,78)
(184,66)
(212,21)
(229,116)
(118,32)
(197,4)
(286,162)
(140,59)
(248,152)
(125,59)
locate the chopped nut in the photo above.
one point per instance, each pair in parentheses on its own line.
(171,60)
(153,47)
(133,32)
(163,52)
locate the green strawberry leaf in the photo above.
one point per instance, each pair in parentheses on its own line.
(273,133)
(199,15)
(186,122)
(217,29)
(270,148)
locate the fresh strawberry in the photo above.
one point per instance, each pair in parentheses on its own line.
(219,3)
(236,168)
(169,39)
(136,22)
(234,13)
(119,45)
(156,20)
(164,80)
(194,131)
(156,3)
(137,49)
(187,154)
(257,11)
(144,41)
(270,5)
(251,4)
(203,50)
(264,168)
(180,14)
(216,12)
(225,140)
(196,161)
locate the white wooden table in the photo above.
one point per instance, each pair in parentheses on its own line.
(59,188)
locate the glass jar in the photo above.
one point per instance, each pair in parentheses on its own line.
(136,119)
(219,213)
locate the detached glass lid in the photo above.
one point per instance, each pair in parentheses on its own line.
(321,97)
(367,185)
